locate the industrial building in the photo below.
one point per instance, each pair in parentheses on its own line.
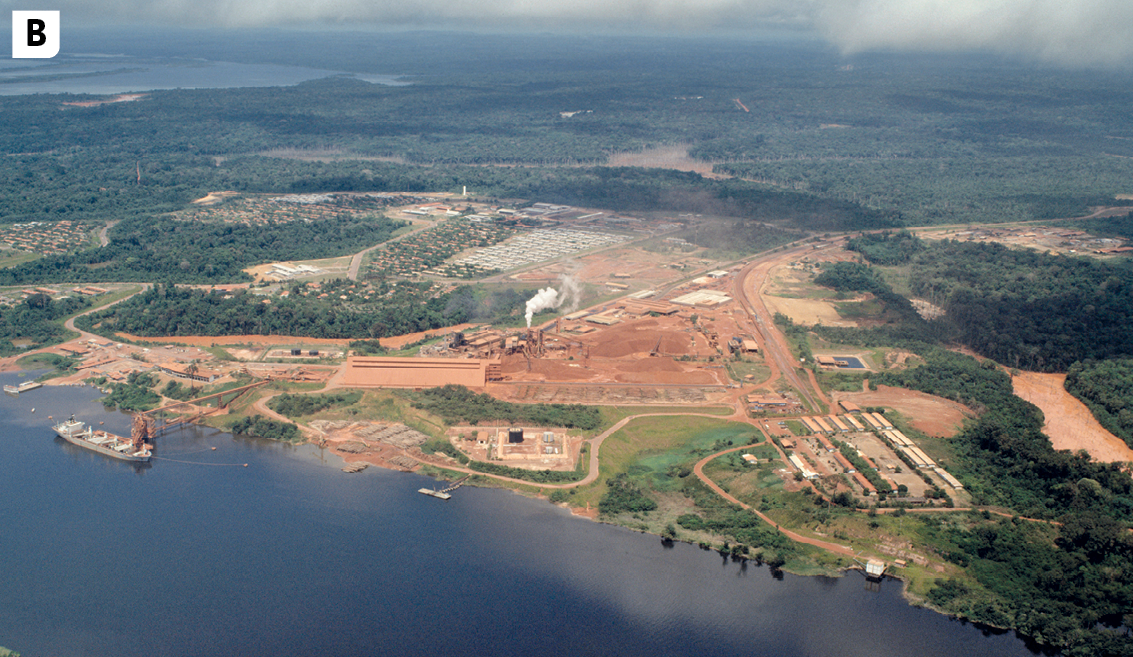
(705,298)
(365,371)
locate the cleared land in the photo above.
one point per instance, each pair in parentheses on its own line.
(1069,422)
(790,290)
(934,416)
(664,157)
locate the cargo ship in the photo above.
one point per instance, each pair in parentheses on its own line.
(104,442)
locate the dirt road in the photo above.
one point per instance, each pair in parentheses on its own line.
(356,261)
(698,469)
(777,353)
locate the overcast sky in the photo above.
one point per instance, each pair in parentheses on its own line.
(1061,32)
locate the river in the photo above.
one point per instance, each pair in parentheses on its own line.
(197,554)
(102,74)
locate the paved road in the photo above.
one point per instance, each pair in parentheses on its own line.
(83,335)
(103,239)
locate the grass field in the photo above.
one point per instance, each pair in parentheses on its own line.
(739,370)
(648,446)
(13,257)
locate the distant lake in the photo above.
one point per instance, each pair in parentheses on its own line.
(198,555)
(104,74)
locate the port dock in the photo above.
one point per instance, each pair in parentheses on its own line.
(444,493)
(23,387)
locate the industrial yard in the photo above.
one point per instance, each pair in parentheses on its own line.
(671,328)
(1051,239)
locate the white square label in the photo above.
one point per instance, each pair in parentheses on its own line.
(35,34)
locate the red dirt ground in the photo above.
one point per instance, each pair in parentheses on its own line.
(934,416)
(606,370)
(1069,422)
(638,338)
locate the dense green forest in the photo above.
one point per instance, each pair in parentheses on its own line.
(1020,307)
(459,404)
(1117,226)
(37,321)
(886,248)
(925,141)
(392,309)
(1028,309)
(168,249)
(136,394)
(1107,388)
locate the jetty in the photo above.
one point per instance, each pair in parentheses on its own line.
(23,387)
(444,493)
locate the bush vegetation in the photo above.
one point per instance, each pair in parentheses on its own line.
(624,496)
(135,394)
(260,427)
(299,405)
(1107,388)
(457,404)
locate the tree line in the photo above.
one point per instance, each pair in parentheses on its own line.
(1106,387)
(458,404)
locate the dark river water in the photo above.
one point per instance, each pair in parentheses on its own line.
(198,555)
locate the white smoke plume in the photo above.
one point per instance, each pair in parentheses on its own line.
(570,294)
(543,299)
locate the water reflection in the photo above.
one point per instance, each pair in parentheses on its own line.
(290,555)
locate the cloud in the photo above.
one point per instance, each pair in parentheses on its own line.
(1070,32)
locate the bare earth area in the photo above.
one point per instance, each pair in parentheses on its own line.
(790,290)
(1069,422)
(807,312)
(934,416)
(664,157)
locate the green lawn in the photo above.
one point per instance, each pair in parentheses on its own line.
(738,370)
(648,446)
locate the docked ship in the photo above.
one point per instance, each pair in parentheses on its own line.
(134,448)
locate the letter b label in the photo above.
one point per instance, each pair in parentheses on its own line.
(35,34)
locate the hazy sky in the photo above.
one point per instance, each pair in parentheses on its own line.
(1066,32)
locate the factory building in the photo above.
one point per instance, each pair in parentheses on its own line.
(365,371)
